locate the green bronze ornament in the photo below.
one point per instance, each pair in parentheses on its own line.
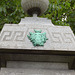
(37,38)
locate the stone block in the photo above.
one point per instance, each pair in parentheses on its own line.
(14,36)
(10,71)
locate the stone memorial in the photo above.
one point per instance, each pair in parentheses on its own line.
(35,46)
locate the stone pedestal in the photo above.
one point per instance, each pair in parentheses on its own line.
(14,36)
(59,49)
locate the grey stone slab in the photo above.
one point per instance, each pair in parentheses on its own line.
(14,36)
(10,71)
(35,21)
(37,58)
(37,65)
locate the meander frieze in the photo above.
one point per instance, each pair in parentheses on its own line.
(57,37)
(62,37)
(12,36)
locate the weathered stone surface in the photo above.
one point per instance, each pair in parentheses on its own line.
(36,21)
(37,65)
(14,36)
(10,71)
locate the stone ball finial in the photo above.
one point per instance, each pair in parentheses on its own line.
(35,6)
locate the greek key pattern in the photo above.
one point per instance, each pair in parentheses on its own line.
(12,36)
(57,37)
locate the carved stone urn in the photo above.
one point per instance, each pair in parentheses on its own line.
(35,6)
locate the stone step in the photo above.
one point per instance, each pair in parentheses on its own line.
(36,20)
(17,71)
(37,65)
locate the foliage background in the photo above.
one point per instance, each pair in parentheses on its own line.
(61,12)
